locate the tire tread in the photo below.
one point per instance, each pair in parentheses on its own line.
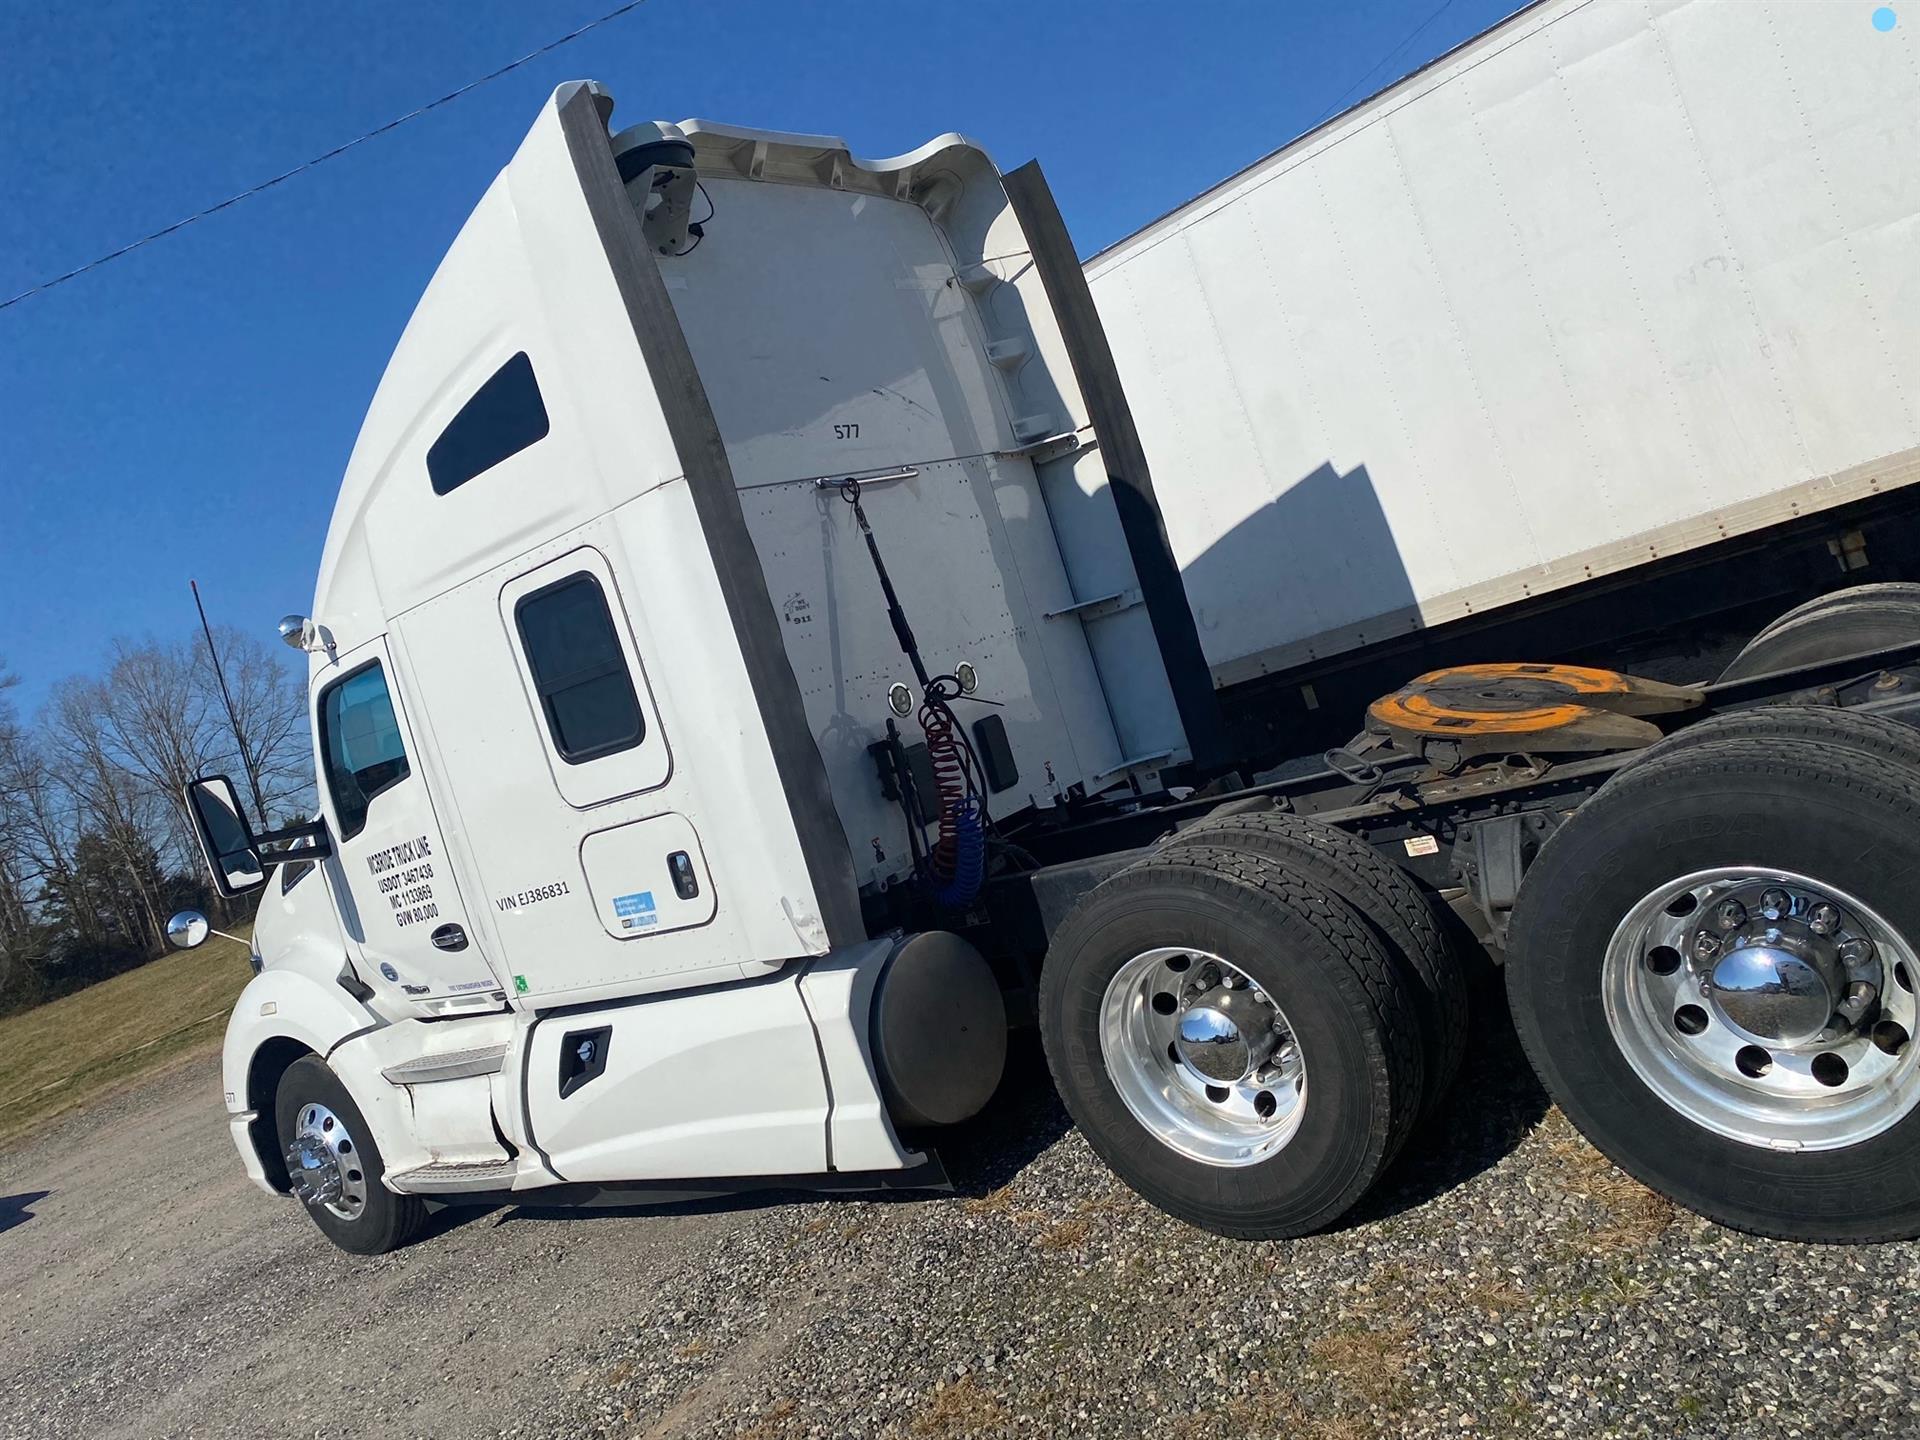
(1364,970)
(1808,758)
(1383,893)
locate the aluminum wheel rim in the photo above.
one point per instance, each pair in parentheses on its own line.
(324,1163)
(1696,1044)
(1227,1123)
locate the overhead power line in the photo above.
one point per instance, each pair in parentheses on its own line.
(321,159)
(1385,59)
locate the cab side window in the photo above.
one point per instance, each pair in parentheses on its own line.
(504,417)
(360,745)
(579,670)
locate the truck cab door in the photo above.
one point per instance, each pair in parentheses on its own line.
(399,902)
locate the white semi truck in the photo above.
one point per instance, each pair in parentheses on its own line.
(1600,331)
(748,666)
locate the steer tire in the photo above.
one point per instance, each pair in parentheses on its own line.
(1387,897)
(1345,997)
(1859,732)
(1847,622)
(386,1221)
(1759,804)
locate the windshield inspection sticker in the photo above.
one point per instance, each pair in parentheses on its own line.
(636,911)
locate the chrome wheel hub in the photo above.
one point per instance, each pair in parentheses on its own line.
(1225,1034)
(323,1163)
(1772,993)
(1768,1006)
(1202,1057)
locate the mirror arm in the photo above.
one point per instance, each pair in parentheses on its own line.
(311,830)
(318,844)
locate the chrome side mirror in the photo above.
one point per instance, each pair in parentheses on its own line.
(188,929)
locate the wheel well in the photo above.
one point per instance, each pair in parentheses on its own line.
(270,1062)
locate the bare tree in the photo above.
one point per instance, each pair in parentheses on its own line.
(270,716)
(96,842)
(156,724)
(18,880)
(111,798)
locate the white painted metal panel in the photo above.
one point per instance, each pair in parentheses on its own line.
(835,338)
(670,1104)
(1609,282)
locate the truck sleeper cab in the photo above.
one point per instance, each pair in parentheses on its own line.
(747,648)
(599,666)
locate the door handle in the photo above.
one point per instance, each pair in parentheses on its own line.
(686,884)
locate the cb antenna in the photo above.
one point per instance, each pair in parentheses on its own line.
(239,735)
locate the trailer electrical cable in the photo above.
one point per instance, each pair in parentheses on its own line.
(958,864)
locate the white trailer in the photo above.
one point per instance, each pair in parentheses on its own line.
(747,663)
(1601,290)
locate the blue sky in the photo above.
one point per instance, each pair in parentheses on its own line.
(186,411)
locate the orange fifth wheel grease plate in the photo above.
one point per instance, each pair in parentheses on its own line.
(1532,701)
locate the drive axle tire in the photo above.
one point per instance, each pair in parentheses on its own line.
(1683,961)
(1847,622)
(1387,897)
(336,1167)
(1860,732)
(1898,592)
(1233,1039)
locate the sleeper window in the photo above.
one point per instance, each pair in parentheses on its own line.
(579,671)
(504,417)
(360,744)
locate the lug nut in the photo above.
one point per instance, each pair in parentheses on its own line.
(1776,904)
(1706,945)
(1855,953)
(1730,915)
(1823,918)
(1858,997)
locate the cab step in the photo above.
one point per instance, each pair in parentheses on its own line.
(456,1177)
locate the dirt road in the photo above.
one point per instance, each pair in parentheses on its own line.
(1504,1281)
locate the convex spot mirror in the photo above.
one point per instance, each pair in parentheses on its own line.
(188,929)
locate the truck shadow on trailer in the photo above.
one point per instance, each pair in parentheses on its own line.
(1318,559)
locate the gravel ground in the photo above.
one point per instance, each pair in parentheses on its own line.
(1503,1281)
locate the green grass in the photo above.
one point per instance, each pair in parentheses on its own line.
(65,1053)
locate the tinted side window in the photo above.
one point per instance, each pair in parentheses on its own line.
(579,671)
(360,745)
(504,417)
